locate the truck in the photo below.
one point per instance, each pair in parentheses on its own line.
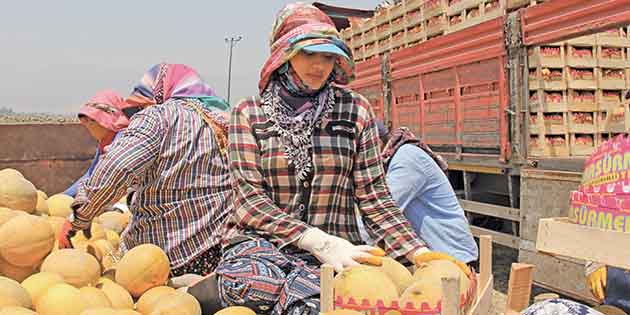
(514,94)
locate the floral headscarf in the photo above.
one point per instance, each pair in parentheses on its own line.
(299,25)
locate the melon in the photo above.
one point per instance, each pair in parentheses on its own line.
(57,224)
(149,299)
(59,205)
(7,172)
(114,220)
(365,282)
(14,310)
(240,310)
(60,299)
(77,267)
(427,286)
(11,291)
(113,238)
(100,249)
(14,272)
(177,303)
(142,268)
(100,311)
(37,284)
(80,241)
(399,274)
(17,193)
(95,297)
(342,312)
(7,214)
(42,206)
(117,295)
(25,240)
(127,312)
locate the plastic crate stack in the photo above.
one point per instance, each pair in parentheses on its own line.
(575,93)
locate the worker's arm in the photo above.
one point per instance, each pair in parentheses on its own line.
(73,190)
(129,156)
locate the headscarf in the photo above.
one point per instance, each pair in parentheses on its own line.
(165,81)
(105,108)
(299,25)
(402,136)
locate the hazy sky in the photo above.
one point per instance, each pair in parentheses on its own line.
(55,54)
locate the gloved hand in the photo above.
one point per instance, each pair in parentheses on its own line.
(424,255)
(68,232)
(337,251)
(597,282)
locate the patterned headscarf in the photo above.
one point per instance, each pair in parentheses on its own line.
(105,108)
(402,136)
(299,25)
(165,81)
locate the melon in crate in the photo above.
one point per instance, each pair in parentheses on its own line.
(26,240)
(37,284)
(365,282)
(242,310)
(17,193)
(59,205)
(149,299)
(398,273)
(142,268)
(177,303)
(77,267)
(42,206)
(61,299)
(117,295)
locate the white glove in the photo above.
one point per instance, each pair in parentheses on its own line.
(337,251)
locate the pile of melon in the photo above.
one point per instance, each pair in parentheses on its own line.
(393,283)
(92,279)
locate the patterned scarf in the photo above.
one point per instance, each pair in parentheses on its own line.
(402,136)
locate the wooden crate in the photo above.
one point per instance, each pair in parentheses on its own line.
(614,38)
(583,83)
(536,80)
(381,17)
(536,126)
(457,6)
(558,236)
(413,18)
(588,61)
(556,150)
(627,78)
(468,18)
(539,56)
(398,39)
(582,100)
(588,40)
(383,30)
(397,10)
(555,127)
(605,60)
(481,304)
(436,25)
(611,83)
(615,119)
(582,149)
(536,146)
(431,8)
(370,37)
(582,127)
(358,53)
(415,35)
(384,45)
(548,101)
(370,50)
(609,98)
(413,4)
(398,24)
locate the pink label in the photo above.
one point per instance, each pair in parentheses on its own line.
(603,212)
(607,170)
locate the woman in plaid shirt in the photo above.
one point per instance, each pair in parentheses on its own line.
(301,157)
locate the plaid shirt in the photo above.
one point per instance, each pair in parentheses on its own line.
(272,202)
(170,156)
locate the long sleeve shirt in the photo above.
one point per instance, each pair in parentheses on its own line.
(183,185)
(272,202)
(74,188)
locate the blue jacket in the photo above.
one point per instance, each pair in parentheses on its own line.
(72,190)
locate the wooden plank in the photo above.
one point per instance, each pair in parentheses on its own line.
(520,286)
(497,237)
(485,258)
(484,299)
(326,286)
(551,175)
(560,237)
(507,213)
(450,296)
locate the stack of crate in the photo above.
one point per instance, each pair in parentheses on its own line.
(466,13)
(575,93)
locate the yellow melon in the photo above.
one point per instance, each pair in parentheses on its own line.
(57,224)
(81,242)
(343,312)
(427,286)
(42,206)
(11,290)
(59,205)
(95,297)
(398,273)
(114,220)
(77,268)
(117,295)
(142,268)
(7,301)
(127,312)
(14,310)
(100,311)
(239,310)
(99,249)
(14,272)
(149,299)
(365,282)
(37,284)
(113,238)
(10,172)
(61,299)
(17,193)
(25,240)
(177,303)
(7,214)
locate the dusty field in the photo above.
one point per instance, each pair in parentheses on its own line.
(23,118)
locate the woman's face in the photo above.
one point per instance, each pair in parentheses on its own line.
(313,68)
(96,130)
